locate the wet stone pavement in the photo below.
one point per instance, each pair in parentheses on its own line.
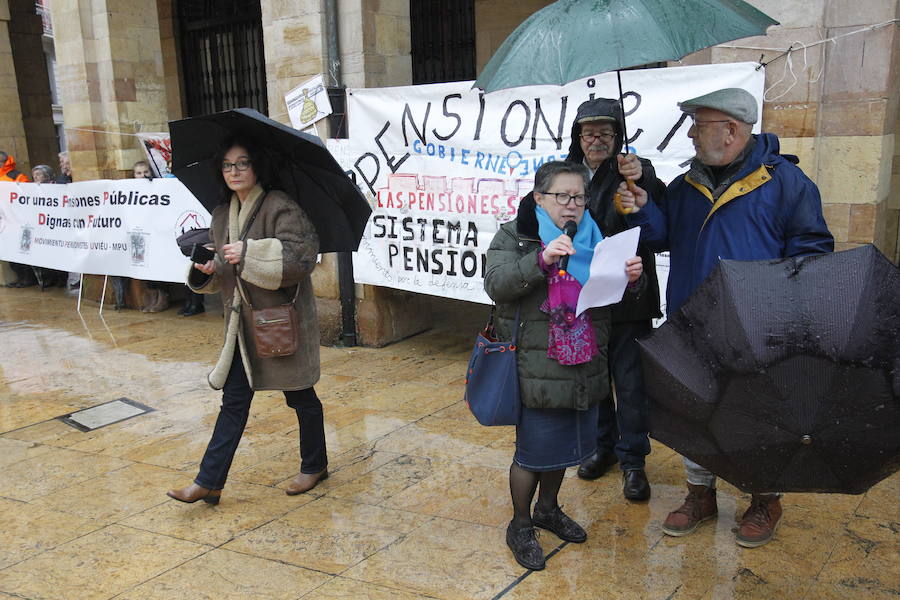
(416,506)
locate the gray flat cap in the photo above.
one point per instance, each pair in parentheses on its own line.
(735,102)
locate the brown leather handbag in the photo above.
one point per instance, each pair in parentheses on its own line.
(276,329)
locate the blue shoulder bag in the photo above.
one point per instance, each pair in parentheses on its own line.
(492,378)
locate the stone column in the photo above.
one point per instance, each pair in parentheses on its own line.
(858,122)
(375,52)
(495,20)
(374,43)
(111,82)
(12,133)
(26,38)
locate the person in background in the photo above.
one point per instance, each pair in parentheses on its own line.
(65,169)
(65,176)
(194,303)
(156,297)
(47,277)
(42,174)
(623,428)
(741,200)
(562,360)
(8,172)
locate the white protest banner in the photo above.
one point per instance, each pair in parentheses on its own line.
(126,227)
(308,103)
(444,164)
(158,150)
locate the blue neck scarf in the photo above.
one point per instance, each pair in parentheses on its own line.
(587,236)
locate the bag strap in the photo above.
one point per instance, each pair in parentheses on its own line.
(490,323)
(243,235)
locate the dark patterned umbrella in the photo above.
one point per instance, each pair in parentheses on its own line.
(784,376)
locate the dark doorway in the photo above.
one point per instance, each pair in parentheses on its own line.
(443,40)
(222,59)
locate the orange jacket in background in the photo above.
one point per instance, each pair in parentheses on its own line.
(8,171)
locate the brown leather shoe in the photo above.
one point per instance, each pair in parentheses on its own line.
(699,506)
(194,492)
(304,482)
(759,522)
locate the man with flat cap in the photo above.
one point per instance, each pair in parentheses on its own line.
(742,200)
(597,140)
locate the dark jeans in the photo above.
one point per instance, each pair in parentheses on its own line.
(236,398)
(623,424)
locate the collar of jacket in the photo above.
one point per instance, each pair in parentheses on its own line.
(735,190)
(526,219)
(238,212)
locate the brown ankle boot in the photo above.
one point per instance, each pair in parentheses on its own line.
(699,506)
(759,522)
(150,299)
(162,301)
(194,492)
(304,482)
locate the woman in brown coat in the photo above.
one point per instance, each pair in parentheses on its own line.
(272,251)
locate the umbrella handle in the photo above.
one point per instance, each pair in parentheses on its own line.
(617,199)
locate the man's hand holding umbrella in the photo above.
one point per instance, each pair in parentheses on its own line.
(632,199)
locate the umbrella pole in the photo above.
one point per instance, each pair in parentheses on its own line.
(622,104)
(617,199)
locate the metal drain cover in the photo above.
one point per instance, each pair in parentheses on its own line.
(105,414)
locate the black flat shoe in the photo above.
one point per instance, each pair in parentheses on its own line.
(635,485)
(525,547)
(558,522)
(597,464)
(194,310)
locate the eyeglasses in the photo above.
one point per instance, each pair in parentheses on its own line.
(563,199)
(694,121)
(241,165)
(590,137)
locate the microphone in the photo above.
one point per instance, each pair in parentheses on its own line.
(569,229)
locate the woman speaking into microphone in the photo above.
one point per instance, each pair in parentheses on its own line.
(561,358)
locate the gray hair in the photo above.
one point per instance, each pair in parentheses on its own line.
(3,157)
(45,169)
(545,175)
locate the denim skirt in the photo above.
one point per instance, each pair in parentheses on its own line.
(549,439)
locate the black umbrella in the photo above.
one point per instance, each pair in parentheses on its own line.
(302,166)
(784,376)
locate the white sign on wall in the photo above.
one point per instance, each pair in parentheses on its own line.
(126,227)
(443,165)
(308,103)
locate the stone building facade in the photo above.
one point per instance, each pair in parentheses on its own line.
(119,72)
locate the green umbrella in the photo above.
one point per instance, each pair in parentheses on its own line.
(572,39)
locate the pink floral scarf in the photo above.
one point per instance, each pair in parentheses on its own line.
(572,340)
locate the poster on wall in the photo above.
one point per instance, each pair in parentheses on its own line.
(308,103)
(125,227)
(443,165)
(158,150)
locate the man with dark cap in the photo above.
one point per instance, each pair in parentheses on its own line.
(742,200)
(597,139)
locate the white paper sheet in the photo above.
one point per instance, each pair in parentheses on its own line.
(607,281)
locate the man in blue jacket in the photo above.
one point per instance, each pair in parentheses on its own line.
(742,200)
